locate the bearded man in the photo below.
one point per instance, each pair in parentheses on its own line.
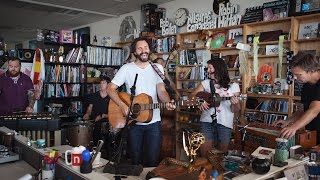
(16,90)
(142,135)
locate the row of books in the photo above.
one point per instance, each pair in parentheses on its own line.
(74,55)
(192,73)
(61,90)
(92,88)
(105,56)
(64,74)
(166,44)
(191,57)
(274,105)
(270,118)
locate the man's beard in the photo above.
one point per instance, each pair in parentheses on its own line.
(145,57)
(13,73)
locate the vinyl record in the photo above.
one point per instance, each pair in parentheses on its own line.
(26,54)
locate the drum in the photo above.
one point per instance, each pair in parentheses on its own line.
(80,133)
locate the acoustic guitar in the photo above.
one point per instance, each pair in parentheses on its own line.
(209,98)
(141,110)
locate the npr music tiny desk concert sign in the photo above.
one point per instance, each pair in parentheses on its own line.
(227,17)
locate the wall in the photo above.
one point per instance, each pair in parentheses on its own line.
(110,27)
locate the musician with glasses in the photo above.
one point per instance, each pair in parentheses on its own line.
(217,122)
(142,136)
(16,90)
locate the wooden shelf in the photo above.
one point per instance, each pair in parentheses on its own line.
(160,37)
(270,96)
(271,112)
(267,56)
(296,98)
(261,23)
(307,40)
(193,48)
(306,17)
(161,53)
(223,49)
(188,112)
(233,69)
(271,42)
(185,66)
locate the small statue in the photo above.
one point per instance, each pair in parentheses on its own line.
(194,142)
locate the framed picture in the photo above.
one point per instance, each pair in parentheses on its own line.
(66,36)
(308,30)
(26,68)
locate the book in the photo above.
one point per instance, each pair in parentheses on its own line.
(192,57)
(275,10)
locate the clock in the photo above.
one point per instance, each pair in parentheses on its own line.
(181,17)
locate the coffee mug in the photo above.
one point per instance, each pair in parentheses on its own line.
(76,157)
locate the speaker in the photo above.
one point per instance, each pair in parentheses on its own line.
(26,54)
(85,39)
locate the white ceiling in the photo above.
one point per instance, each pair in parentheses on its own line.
(20,20)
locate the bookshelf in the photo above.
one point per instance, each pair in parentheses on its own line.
(188,117)
(190,72)
(69,78)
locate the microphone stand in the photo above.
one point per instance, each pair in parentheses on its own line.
(213,98)
(117,156)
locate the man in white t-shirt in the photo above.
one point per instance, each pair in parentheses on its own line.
(142,136)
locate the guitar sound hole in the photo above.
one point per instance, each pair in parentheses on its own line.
(136,108)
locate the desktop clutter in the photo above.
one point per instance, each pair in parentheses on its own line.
(81,159)
(285,158)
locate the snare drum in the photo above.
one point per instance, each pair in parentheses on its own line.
(80,133)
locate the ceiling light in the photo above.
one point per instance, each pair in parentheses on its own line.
(66,7)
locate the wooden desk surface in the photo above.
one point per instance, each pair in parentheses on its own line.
(273,170)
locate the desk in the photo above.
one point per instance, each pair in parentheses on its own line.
(33,156)
(273,170)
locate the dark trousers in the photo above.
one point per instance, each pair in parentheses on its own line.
(144,143)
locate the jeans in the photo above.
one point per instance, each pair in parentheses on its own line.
(216,132)
(144,143)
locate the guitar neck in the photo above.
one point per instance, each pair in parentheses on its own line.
(159,105)
(226,98)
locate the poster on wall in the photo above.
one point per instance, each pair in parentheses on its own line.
(26,68)
(81,36)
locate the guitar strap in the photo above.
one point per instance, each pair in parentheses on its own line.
(165,80)
(213,94)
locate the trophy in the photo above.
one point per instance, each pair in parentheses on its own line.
(194,141)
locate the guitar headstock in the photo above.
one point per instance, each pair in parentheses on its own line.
(192,101)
